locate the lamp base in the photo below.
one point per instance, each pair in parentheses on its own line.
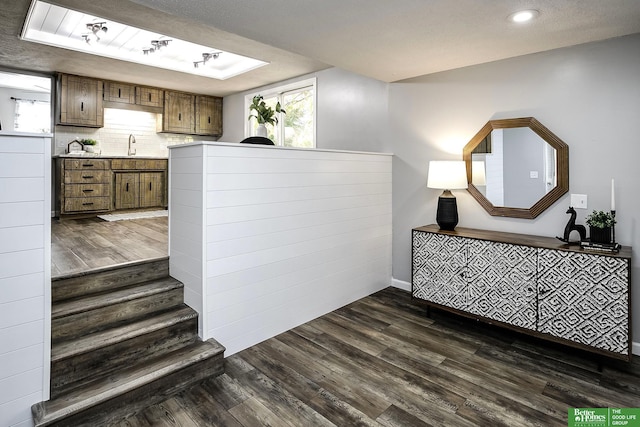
(447,214)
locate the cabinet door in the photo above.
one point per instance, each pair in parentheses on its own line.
(81,101)
(119,92)
(178,113)
(208,115)
(149,96)
(584,298)
(151,189)
(502,282)
(439,264)
(127,190)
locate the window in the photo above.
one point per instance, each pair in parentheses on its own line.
(32,116)
(296,128)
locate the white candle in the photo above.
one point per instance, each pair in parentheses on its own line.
(613,195)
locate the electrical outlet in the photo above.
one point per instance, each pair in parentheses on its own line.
(579,201)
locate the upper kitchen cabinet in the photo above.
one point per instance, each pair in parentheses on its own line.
(149,96)
(80,101)
(179,113)
(208,115)
(119,92)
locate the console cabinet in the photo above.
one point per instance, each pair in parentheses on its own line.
(536,285)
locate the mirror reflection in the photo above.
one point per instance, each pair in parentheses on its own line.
(514,167)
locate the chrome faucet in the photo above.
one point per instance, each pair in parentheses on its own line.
(132,151)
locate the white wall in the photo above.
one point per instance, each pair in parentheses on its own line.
(351,112)
(588,95)
(25,275)
(288,235)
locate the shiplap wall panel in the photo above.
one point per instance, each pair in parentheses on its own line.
(288,234)
(186,213)
(25,275)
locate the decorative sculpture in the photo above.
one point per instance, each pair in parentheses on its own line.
(571,225)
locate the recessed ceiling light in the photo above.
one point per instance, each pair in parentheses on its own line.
(523,16)
(69,29)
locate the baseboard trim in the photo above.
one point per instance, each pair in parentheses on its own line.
(401,284)
(635,348)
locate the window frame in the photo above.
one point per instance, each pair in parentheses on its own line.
(279,92)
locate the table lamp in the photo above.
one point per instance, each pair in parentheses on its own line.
(447,175)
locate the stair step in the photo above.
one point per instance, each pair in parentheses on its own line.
(77,362)
(130,390)
(108,278)
(93,313)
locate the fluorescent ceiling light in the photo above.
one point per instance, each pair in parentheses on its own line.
(523,16)
(69,29)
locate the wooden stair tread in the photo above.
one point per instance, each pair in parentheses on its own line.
(121,333)
(46,413)
(95,301)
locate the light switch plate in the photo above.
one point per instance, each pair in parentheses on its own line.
(579,201)
(533,174)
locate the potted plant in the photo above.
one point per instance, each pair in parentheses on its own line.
(264,114)
(600,224)
(88,144)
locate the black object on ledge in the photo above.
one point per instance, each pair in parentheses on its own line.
(447,213)
(257,140)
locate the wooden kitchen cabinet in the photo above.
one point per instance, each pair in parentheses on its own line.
(151,189)
(139,183)
(85,185)
(179,112)
(127,185)
(80,101)
(149,96)
(119,92)
(208,115)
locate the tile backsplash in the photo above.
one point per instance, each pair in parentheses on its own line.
(113,138)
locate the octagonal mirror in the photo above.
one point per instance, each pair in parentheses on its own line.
(516,167)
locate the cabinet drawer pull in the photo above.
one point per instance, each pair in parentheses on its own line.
(87,204)
(127,187)
(119,93)
(87,165)
(87,191)
(87,176)
(209,118)
(149,96)
(179,116)
(149,186)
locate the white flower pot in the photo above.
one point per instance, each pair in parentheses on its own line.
(262,130)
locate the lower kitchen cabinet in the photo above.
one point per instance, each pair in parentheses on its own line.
(93,186)
(536,285)
(127,185)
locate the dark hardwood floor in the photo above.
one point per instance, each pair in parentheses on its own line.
(79,245)
(381,362)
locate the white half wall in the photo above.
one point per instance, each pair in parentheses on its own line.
(25,275)
(287,235)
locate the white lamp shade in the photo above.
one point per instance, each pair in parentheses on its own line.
(447,174)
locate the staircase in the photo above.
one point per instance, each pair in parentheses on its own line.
(121,340)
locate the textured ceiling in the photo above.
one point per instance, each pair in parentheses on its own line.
(382,39)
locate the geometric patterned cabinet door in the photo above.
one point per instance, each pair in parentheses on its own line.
(584,298)
(502,282)
(535,284)
(439,263)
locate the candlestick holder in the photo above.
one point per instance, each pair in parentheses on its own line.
(613,227)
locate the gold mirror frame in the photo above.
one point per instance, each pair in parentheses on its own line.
(562,167)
